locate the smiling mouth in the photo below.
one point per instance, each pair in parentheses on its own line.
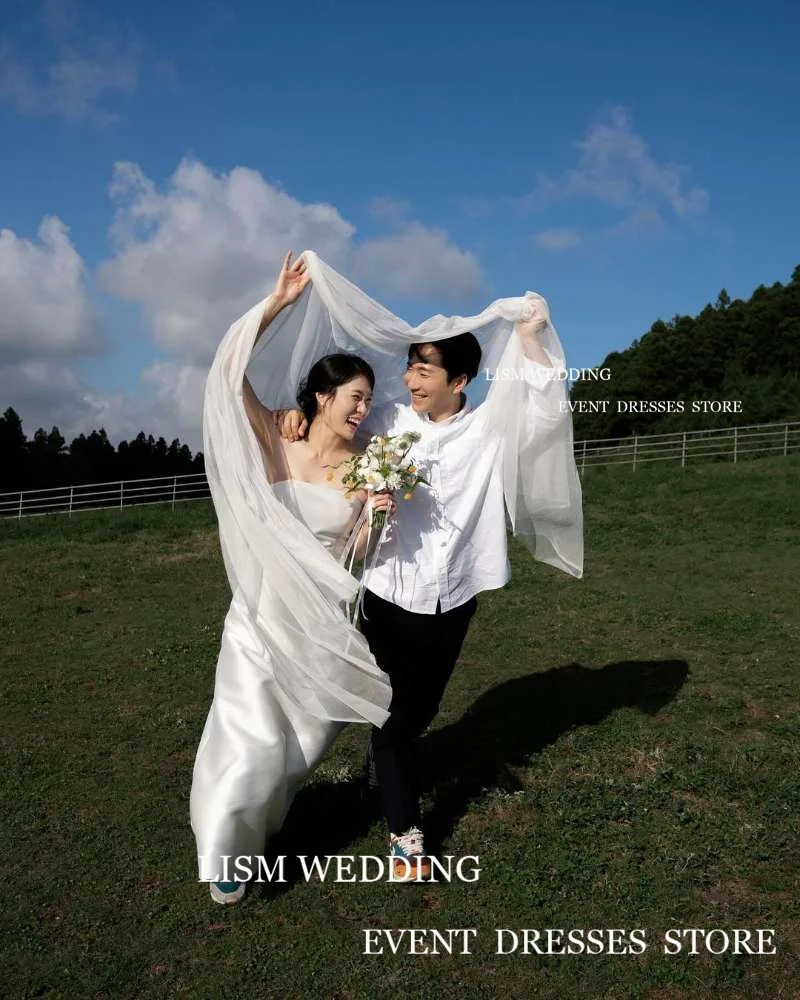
(353,422)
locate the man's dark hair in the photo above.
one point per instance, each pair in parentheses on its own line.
(460,355)
(327,375)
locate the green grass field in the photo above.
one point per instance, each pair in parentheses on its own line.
(620,752)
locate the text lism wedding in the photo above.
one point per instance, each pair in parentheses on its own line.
(341,868)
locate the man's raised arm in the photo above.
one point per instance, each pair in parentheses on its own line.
(545,409)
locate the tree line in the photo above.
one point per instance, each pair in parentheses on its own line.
(46,460)
(746,350)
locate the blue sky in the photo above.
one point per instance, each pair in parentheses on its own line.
(626,162)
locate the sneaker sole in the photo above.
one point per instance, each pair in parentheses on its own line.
(416,873)
(227,898)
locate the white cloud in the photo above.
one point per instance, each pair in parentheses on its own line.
(177,401)
(46,309)
(82,66)
(557,239)
(615,167)
(48,393)
(640,222)
(47,322)
(195,254)
(417,261)
(388,209)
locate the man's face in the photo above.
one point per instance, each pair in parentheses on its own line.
(427,383)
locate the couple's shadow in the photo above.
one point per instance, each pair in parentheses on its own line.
(460,762)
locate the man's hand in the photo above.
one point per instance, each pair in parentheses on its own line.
(530,328)
(291,424)
(529,331)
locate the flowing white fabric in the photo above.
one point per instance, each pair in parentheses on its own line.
(541,484)
(292,667)
(257,745)
(295,590)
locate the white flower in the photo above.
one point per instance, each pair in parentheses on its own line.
(375,481)
(393,481)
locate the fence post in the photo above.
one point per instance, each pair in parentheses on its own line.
(616,447)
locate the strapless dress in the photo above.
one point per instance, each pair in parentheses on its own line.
(257,745)
(324,510)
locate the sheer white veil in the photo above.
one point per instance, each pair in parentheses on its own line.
(295,589)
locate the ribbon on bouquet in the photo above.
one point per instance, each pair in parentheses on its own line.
(367,515)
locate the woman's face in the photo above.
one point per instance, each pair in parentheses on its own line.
(344,409)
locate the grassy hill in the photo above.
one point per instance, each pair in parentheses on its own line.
(620,752)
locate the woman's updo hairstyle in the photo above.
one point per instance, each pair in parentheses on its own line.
(327,375)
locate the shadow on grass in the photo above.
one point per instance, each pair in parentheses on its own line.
(519,718)
(502,729)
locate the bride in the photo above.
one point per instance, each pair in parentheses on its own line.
(278,702)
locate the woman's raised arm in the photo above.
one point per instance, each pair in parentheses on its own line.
(292,279)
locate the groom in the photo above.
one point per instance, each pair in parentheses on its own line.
(444,545)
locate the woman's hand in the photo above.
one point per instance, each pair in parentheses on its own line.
(384,500)
(288,289)
(377,501)
(291,281)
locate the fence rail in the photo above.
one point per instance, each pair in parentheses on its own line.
(98,496)
(734,443)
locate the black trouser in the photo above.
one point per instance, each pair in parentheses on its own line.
(418,652)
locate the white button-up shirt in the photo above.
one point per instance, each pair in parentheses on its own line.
(448,542)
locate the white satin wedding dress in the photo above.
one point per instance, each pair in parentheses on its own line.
(258,745)
(292,667)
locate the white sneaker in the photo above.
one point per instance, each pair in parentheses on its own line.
(220,892)
(409,863)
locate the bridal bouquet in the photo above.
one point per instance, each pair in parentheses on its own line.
(384,465)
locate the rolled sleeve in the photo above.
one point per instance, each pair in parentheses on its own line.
(546,400)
